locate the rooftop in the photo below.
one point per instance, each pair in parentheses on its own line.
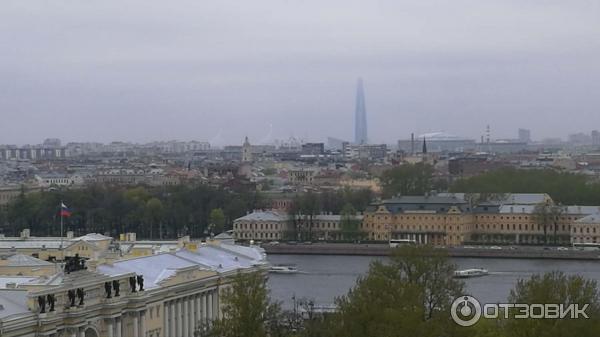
(264,216)
(590,219)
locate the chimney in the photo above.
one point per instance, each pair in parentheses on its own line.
(25,233)
(131,237)
(70,235)
(91,265)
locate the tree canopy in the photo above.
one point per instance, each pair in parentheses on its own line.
(564,188)
(410,296)
(408,179)
(151,212)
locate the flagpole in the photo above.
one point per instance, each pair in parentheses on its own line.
(61,232)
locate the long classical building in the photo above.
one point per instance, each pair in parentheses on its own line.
(449,219)
(443,220)
(278,225)
(170,294)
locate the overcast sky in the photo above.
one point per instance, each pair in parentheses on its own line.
(142,70)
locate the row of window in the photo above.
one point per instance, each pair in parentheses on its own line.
(256,226)
(521,227)
(258,235)
(587,230)
(272,226)
(477,217)
(407,227)
(514,227)
(420,217)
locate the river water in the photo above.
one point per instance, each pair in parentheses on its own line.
(323,277)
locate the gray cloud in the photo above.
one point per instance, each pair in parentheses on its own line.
(145,70)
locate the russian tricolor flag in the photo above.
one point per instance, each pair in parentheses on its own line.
(64,210)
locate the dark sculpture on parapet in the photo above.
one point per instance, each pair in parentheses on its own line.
(51,300)
(136,283)
(116,287)
(132,284)
(42,304)
(108,289)
(80,295)
(140,282)
(74,263)
(71,295)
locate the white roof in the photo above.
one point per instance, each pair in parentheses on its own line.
(264,216)
(154,268)
(568,210)
(25,244)
(92,237)
(334,217)
(4,280)
(590,219)
(525,198)
(583,210)
(223,258)
(19,260)
(13,301)
(215,257)
(510,198)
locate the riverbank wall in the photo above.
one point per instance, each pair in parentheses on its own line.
(473,252)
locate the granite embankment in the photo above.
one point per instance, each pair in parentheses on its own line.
(478,252)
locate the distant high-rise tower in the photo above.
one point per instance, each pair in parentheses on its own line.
(360,122)
(246,151)
(524,136)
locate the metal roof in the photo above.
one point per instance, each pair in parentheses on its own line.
(264,216)
(13,302)
(19,260)
(590,219)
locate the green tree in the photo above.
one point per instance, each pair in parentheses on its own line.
(217,220)
(154,213)
(410,296)
(407,179)
(350,225)
(564,188)
(547,215)
(246,310)
(116,209)
(555,288)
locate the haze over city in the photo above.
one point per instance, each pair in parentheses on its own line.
(148,70)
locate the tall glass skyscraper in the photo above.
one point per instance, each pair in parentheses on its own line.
(360,122)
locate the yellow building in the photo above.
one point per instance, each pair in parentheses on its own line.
(586,229)
(427,220)
(448,219)
(168,294)
(90,246)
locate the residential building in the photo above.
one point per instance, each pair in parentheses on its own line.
(276,226)
(262,226)
(586,229)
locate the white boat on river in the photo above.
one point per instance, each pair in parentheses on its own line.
(466,273)
(283,269)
